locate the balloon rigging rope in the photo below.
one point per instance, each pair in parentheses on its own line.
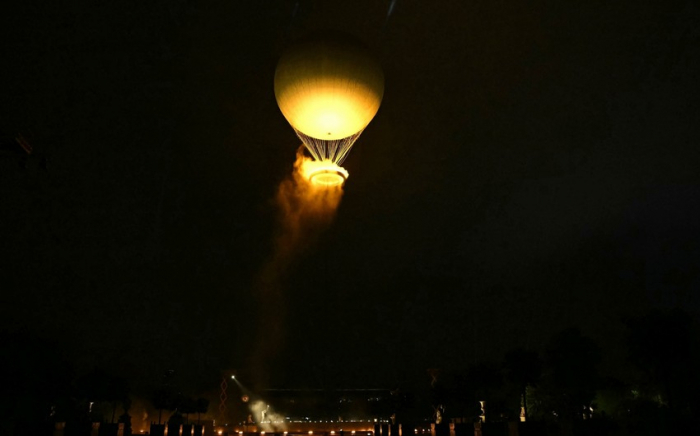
(335,150)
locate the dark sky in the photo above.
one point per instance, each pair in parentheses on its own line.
(533,166)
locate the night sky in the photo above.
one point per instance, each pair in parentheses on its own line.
(533,166)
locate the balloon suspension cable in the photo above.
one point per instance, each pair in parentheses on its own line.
(334,150)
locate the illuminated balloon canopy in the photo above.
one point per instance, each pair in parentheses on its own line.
(329,88)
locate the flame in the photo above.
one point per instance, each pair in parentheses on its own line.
(323,173)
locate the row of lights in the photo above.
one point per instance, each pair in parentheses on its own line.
(322,421)
(262,433)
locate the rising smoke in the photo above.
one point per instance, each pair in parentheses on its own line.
(267,419)
(304,212)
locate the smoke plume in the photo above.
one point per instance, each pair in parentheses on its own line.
(304,212)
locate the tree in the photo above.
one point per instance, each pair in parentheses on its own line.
(202,404)
(522,368)
(37,385)
(464,391)
(161,399)
(187,406)
(663,345)
(99,386)
(570,375)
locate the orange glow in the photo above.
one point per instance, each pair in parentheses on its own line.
(323,173)
(331,111)
(329,88)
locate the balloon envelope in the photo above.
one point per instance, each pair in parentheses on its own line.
(329,87)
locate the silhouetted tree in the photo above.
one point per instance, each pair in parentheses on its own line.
(99,386)
(188,405)
(522,368)
(482,382)
(161,399)
(36,385)
(664,347)
(570,376)
(202,404)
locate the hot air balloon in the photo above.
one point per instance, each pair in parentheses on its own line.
(329,88)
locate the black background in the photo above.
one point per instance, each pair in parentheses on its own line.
(532,167)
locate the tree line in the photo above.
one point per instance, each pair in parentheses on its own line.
(656,391)
(653,391)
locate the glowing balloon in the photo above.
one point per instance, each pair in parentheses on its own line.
(329,88)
